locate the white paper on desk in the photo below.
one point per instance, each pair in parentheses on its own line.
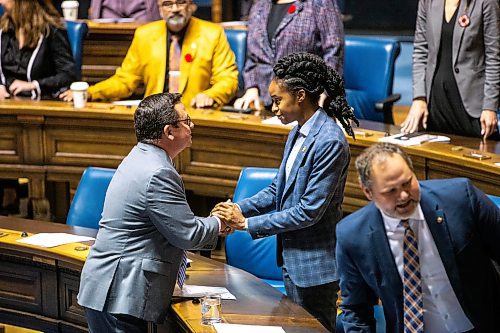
(190,291)
(128,102)
(416,140)
(237,328)
(53,239)
(275,121)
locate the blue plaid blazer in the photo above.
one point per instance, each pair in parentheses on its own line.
(308,206)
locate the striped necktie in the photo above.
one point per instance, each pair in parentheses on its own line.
(174,65)
(412,284)
(181,276)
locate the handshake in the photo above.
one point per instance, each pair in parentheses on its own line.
(229,215)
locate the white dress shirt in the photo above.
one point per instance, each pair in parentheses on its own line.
(442,311)
(302,135)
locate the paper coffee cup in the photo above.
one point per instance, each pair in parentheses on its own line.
(70,10)
(79,90)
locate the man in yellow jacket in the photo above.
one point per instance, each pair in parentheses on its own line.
(208,73)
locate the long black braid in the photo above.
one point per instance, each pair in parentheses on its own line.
(309,72)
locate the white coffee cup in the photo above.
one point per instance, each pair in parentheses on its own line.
(79,90)
(70,10)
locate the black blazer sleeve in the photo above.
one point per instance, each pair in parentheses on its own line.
(56,70)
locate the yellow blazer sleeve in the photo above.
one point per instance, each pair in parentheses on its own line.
(126,78)
(224,79)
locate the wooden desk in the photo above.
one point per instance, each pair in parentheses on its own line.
(49,141)
(38,288)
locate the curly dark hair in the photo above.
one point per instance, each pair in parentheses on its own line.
(309,72)
(153,113)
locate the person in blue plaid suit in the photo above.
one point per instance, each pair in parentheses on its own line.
(308,190)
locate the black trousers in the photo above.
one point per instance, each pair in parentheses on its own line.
(320,300)
(104,322)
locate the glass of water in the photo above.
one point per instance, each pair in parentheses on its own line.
(211,310)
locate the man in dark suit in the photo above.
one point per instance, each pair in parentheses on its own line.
(424,249)
(146,225)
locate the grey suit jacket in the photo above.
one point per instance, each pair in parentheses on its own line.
(476,52)
(308,206)
(146,223)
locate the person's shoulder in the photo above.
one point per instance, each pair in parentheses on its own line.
(149,28)
(357,221)
(439,185)
(330,130)
(205,26)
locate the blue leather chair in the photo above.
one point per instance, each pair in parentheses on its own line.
(495,199)
(203,3)
(76,34)
(369,74)
(237,39)
(254,256)
(86,208)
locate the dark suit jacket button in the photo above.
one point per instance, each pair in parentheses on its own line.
(457,70)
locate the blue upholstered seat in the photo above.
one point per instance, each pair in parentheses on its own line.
(76,34)
(368,74)
(238,43)
(86,208)
(254,256)
(495,199)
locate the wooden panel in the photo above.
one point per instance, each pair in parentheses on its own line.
(80,145)
(104,49)
(11,144)
(27,288)
(487,182)
(70,310)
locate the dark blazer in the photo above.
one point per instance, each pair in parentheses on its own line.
(146,223)
(476,52)
(468,239)
(52,66)
(308,206)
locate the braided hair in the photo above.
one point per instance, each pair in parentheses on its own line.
(309,72)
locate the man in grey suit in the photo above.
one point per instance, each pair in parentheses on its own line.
(146,225)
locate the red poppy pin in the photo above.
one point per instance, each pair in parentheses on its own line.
(292,9)
(464,20)
(188,57)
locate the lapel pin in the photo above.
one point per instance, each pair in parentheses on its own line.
(304,149)
(464,21)
(439,220)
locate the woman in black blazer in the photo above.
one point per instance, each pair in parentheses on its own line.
(36,59)
(456,68)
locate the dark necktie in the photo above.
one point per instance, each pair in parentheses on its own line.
(181,276)
(412,283)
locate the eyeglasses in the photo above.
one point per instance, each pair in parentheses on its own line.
(186,120)
(178,3)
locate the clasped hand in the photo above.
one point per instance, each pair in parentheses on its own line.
(229,214)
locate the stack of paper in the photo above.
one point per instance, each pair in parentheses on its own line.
(414,139)
(53,239)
